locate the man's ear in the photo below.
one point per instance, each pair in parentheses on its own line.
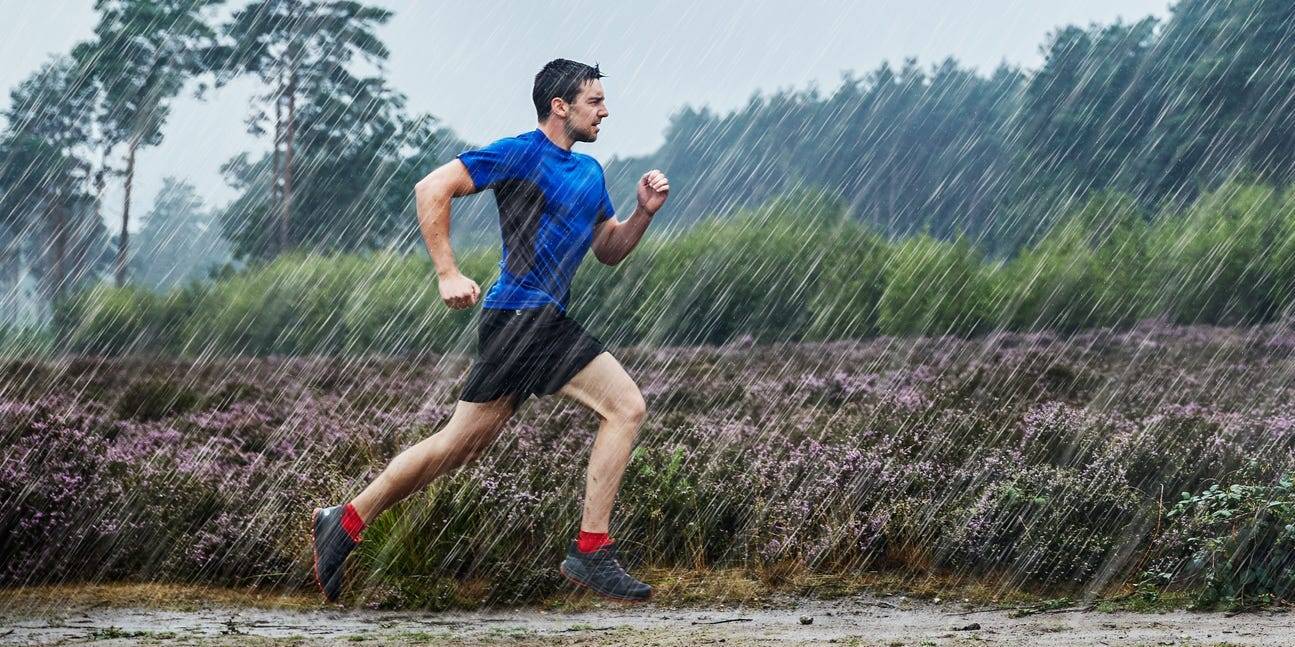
(553,107)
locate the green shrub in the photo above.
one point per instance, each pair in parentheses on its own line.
(935,288)
(1087,271)
(1237,541)
(106,320)
(797,267)
(1215,262)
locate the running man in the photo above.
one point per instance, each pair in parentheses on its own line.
(553,206)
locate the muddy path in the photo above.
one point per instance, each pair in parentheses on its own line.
(862,619)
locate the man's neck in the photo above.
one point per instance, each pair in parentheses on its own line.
(558,135)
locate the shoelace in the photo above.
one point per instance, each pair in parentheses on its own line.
(609,567)
(605,562)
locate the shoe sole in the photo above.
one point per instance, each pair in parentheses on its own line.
(563,571)
(314,549)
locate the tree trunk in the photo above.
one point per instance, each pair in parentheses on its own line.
(287,162)
(125,215)
(60,246)
(276,173)
(100,183)
(892,223)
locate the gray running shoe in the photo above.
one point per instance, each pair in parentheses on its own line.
(601,572)
(332,545)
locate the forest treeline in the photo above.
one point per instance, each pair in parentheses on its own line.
(342,153)
(1162,112)
(760,275)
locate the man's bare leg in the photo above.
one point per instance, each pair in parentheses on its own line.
(470,430)
(604,386)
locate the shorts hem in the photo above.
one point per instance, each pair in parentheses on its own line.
(472,397)
(561,379)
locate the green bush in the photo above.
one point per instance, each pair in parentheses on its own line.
(105,320)
(1085,272)
(396,307)
(1279,265)
(1237,542)
(844,301)
(286,307)
(936,288)
(1215,263)
(798,267)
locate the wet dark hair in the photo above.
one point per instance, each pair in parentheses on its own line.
(561,78)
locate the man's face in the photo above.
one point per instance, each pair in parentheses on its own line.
(584,114)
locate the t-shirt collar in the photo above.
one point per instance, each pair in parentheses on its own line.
(545,138)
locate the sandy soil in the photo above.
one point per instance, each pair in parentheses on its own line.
(888,620)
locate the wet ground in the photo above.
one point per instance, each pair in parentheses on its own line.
(890,620)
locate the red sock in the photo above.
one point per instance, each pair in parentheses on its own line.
(352,523)
(588,542)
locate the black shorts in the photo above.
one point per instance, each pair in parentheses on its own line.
(530,351)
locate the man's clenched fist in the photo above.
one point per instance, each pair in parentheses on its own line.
(459,291)
(653,189)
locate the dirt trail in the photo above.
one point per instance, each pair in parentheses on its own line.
(856,620)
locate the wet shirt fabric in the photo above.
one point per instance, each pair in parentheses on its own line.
(550,199)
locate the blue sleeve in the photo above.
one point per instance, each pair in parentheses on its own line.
(605,209)
(491,163)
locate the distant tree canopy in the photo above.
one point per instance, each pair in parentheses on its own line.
(179,240)
(1161,111)
(48,224)
(141,56)
(329,125)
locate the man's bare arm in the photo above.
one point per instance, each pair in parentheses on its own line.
(613,239)
(432,196)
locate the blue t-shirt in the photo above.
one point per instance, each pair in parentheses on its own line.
(550,199)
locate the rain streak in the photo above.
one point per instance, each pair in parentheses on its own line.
(938,341)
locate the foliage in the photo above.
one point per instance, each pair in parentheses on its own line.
(1160,110)
(1236,541)
(48,220)
(178,241)
(934,288)
(795,268)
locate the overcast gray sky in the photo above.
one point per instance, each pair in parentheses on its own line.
(472,63)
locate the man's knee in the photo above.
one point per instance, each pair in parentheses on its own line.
(629,409)
(604,387)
